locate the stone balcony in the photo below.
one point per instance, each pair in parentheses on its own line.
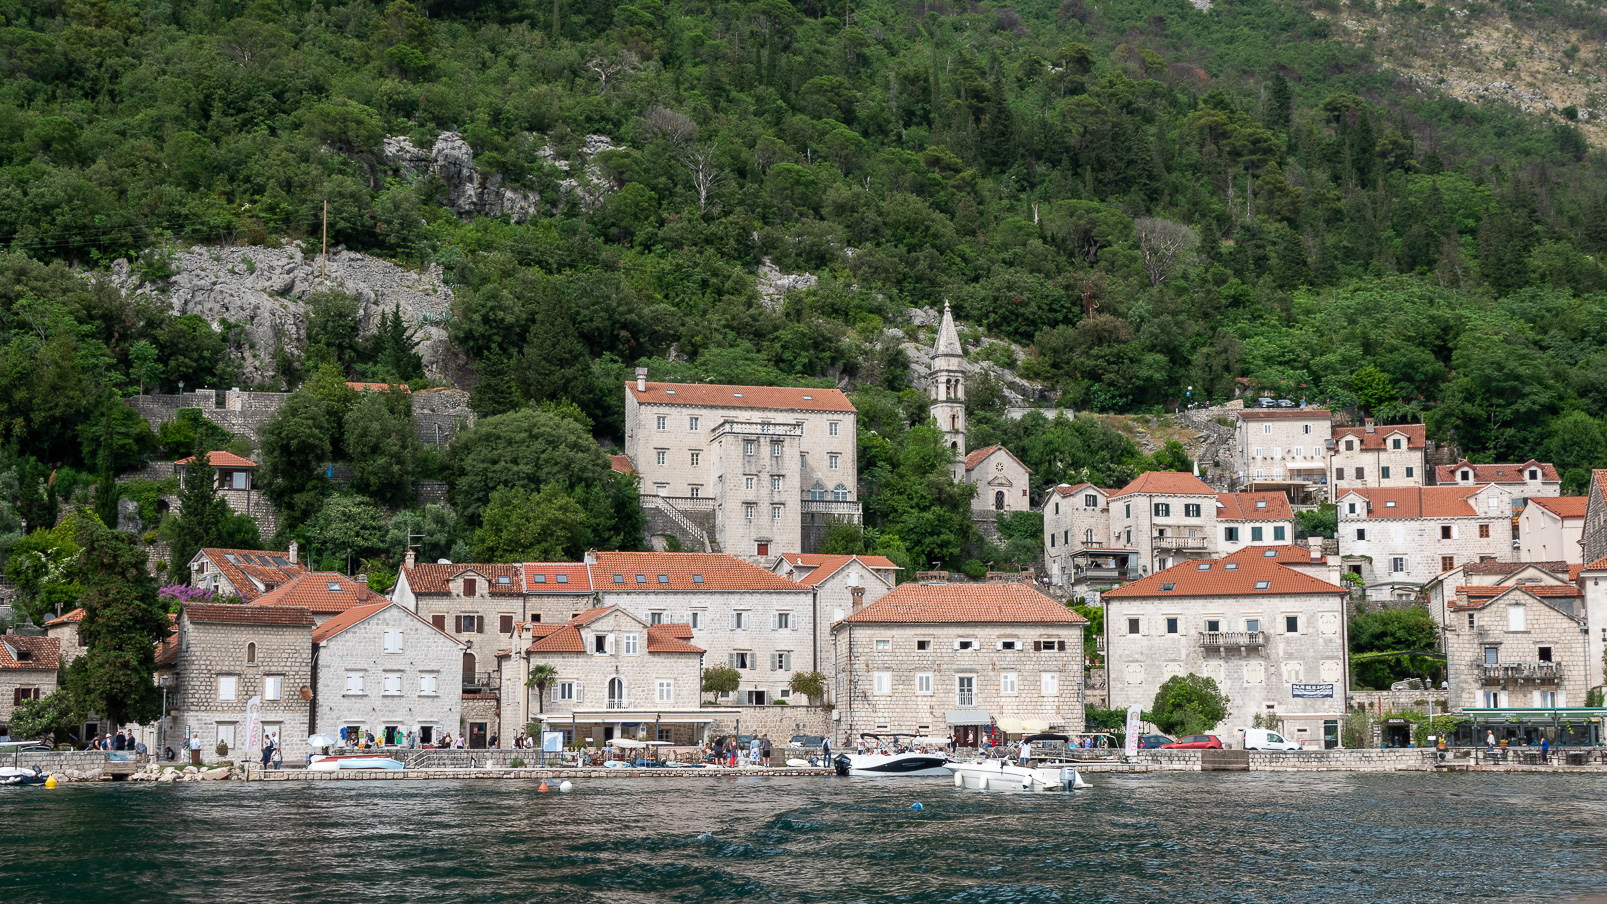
(1518,672)
(1233,639)
(1170,542)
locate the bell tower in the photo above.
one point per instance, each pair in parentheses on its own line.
(947,388)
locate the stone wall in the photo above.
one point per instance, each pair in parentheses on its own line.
(1380,702)
(779,723)
(1369,760)
(360,650)
(12,679)
(78,765)
(209,650)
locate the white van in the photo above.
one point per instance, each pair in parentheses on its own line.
(1262,739)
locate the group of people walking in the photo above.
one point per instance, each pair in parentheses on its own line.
(729,751)
(117,740)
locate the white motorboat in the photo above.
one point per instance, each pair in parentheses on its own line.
(354,761)
(889,759)
(16,775)
(1005,775)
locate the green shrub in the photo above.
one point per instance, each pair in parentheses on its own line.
(517,763)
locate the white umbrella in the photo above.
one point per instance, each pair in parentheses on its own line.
(321,740)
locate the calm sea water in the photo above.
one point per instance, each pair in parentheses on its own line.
(1279,839)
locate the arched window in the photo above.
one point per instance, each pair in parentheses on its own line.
(954,447)
(616,693)
(468,668)
(839,493)
(998,500)
(954,421)
(251,652)
(817,493)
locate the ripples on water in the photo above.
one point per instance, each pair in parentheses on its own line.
(1236,839)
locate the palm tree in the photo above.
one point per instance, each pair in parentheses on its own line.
(541,676)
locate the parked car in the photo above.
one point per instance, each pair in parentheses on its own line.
(1285,403)
(1153,742)
(807,741)
(1262,739)
(1265,402)
(1196,742)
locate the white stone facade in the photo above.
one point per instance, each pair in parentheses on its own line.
(1552,529)
(1518,649)
(389,673)
(1400,539)
(1374,456)
(1283,445)
(1001,481)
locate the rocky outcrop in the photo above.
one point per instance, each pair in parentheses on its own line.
(1017,391)
(773,285)
(261,290)
(469,192)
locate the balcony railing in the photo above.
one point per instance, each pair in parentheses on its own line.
(830,507)
(1521,671)
(1104,574)
(616,703)
(1233,639)
(1179,542)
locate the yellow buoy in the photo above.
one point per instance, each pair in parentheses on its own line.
(50,782)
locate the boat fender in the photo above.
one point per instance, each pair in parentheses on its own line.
(917,806)
(542,788)
(959,780)
(566,786)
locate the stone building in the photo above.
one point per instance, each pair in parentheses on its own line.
(1373,456)
(744,469)
(1399,539)
(1251,519)
(234,478)
(1552,528)
(27,672)
(617,676)
(1000,479)
(325,594)
(1444,590)
(1518,646)
(220,658)
(842,584)
(64,628)
(1527,480)
(382,669)
(473,602)
(437,414)
(1595,529)
(935,659)
(1080,551)
(1283,449)
(246,573)
(1271,637)
(1166,516)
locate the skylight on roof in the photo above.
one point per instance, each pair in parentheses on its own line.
(669,392)
(1231,566)
(697,578)
(1260,503)
(1390,504)
(1262,585)
(233,560)
(809,398)
(504,579)
(737,394)
(1204,566)
(1270,554)
(334,586)
(663,579)
(562,578)
(641,579)
(281,561)
(619,579)
(1168,587)
(538,579)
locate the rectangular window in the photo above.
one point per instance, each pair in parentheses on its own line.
(354,682)
(749,447)
(273,687)
(1049,684)
(747,483)
(831,428)
(965,690)
(1361,533)
(1484,532)
(1279,532)
(697,621)
(739,621)
(631,641)
(1252,625)
(883,645)
(655,618)
(691,423)
(923,684)
(1445,531)
(662,456)
(1383,472)
(1230,534)
(427,685)
(1191,510)
(1515,620)
(747,510)
(666,692)
(1172,625)
(1447,563)
(1213,625)
(775,450)
(775,513)
(439,621)
(393,683)
(663,422)
(883,683)
(1394,444)
(1305,428)
(1471,623)
(1256,534)
(831,461)
(923,645)
(1007,684)
(228,686)
(564,690)
(1163,509)
(775,483)
(781,662)
(1544,654)
(1291,624)
(696,457)
(1361,473)
(393,639)
(1492,655)
(741,660)
(1134,626)
(1397,565)
(1409,472)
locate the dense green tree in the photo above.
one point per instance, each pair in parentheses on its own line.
(43,566)
(346,526)
(295,448)
(122,623)
(204,518)
(521,526)
(1186,705)
(382,449)
(526,449)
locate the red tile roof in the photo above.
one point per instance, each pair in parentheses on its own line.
(429,578)
(665,639)
(824,566)
(312,591)
(717,396)
(975,458)
(991,603)
(1562,506)
(1166,483)
(1280,555)
(1416,436)
(358,614)
(1068,489)
(1555,567)
(221,459)
(1507,473)
(253,563)
(696,571)
(1212,577)
(622,464)
(73,617)
(18,651)
(1418,502)
(566,638)
(224,614)
(1284,413)
(1598,565)
(1253,507)
(374,387)
(167,650)
(556,577)
(1477,596)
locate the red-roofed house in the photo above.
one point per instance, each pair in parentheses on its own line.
(1525,480)
(1000,479)
(27,671)
(246,573)
(1251,519)
(1167,516)
(323,593)
(384,670)
(842,584)
(221,658)
(744,468)
(64,628)
(1080,551)
(1374,456)
(1398,539)
(235,479)
(940,659)
(1283,449)
(477,603)
(1272,638)
(1553,528)
(1518,646)
(618,676)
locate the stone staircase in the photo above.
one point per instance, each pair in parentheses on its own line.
(664,518)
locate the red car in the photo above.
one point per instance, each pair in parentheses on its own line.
(1195,742)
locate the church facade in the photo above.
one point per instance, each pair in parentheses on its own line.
(1001,479)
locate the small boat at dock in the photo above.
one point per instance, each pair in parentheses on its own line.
(335,762)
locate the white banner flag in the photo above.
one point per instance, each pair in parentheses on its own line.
(254,724)
(1134,713)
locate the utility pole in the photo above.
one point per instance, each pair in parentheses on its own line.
(323,257)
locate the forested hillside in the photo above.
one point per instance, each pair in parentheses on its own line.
(1146,195)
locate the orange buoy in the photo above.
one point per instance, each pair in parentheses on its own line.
(542,786)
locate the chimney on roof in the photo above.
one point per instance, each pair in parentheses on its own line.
(591,557)
(295,553)
(361,578)
(409,559)
(858,593)
(641,379)
(1368,422)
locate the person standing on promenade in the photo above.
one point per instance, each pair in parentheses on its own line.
(1545,749)
(765,749)
(195,748)
(1489,740)
(825,751)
